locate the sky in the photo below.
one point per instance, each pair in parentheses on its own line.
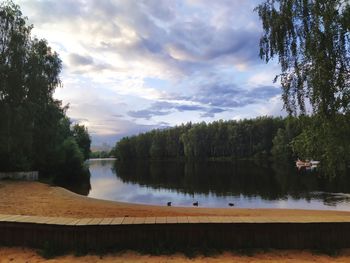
(134,65)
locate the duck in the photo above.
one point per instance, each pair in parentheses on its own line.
(231,204)
(169,204)
(195,203)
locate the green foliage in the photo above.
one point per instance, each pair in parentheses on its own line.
(157,149)
(282,149)
(312,43)
(28,76)
(311,39)
(34,130)
(126,148)
(327,141)
(233,139)
(69,164)
(305,137)
(71,158)
(82,137)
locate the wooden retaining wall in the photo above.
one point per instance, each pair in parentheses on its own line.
(173,232)
(27,176)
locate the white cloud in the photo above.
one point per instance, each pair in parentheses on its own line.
(110,50)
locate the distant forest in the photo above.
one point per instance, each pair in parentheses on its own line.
(237,139)
(281,138)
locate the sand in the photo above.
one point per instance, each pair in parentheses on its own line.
(23,255)
(33,198)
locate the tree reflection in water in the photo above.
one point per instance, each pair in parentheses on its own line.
(270,181)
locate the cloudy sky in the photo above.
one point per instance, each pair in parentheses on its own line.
(133,65)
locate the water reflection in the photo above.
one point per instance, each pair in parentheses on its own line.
(80,184)
(215,184)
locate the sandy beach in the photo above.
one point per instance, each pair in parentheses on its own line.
(34,198)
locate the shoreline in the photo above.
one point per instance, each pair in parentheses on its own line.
(34,198)
(44,200)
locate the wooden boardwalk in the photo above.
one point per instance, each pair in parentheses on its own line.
(166,220)
(175,232)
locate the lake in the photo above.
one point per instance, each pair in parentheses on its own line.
(216,184)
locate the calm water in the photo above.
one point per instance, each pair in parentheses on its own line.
(215,184)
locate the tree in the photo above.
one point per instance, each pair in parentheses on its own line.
(34,129)
(69,167)
(311,39)
(14,41)
(29,74)
(281,149)
(326,141)
(82,137)
(312,42)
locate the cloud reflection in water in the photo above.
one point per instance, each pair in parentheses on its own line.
(147,184)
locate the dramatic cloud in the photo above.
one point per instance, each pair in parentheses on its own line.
(210,100)
(78,60)
(232,97)
(130,66)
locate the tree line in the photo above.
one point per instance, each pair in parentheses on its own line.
(283,139)
(35,133)
(235,139)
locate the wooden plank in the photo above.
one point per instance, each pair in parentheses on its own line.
(245,219)
(37,219)
(342,219)
(150,220)
(345,218)
(13,218)
(95,221)
(193,219)
(117,221)
(235,219)
(171,220)
(106,221)
(216,219)
(53,221)
(309,219)
(297,234)
(59,221)
(139,220)
(22,219)
(2,217)
(268,220)
(49,220)
(182,220)
(287,219)
(203,219)
(5,217)
(83,221)
(128,220)
(160,220)
(73,222)
(31,219)
(70,221)
(226,219)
